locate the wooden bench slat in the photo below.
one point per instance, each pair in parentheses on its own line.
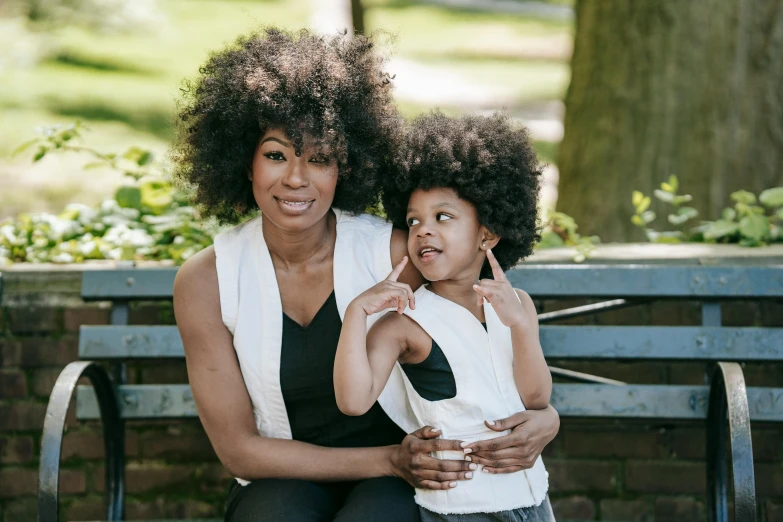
(570,400)
(133,283)
(662,342)
(130,342)
(600,281)
(588,281)
(559,342)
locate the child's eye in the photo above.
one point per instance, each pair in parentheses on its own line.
(412,222)
(442,217)
(275,156)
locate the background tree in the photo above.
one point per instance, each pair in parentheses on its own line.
(663,87)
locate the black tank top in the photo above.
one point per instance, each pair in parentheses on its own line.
(306,380)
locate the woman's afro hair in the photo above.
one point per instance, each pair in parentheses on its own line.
(330,87)
(488,161)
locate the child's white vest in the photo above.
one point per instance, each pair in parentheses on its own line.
(252,311)
(482,363)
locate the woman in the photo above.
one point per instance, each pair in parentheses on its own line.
(303,127)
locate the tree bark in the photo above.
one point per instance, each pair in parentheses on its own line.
(357,15)
(661,87)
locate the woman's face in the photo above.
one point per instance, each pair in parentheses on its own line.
(294,192)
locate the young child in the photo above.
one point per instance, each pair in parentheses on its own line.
(467,190)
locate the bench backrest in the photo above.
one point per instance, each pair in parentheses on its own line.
(626,284)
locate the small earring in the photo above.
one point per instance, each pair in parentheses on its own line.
(483,245)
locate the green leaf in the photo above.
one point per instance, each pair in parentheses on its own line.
(648,216)
(754,226)
(720,228)
(550,240)
(129,197)
(772,197)
(145,158)
(669,238)
(668,188)
(676,219)
(666,197)
(644,204)
(743,196)
(729,214)
(690,212)
(637,220)
(40,154)
(24,146)
(157,195)
(679,200)
(674,182)
(779,213)
(94,165)
(636,196)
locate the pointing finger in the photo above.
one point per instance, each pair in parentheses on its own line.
(497,272)
(398,269)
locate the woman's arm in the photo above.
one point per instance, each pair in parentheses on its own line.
(226,412)
(223,403)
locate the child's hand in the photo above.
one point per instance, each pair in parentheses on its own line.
(387,294)
(501,295)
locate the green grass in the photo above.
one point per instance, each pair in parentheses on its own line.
(125,85)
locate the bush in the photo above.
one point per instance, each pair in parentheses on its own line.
(746,223)
(149,218)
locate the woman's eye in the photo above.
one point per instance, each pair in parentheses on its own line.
(412,222)
(275,156)
(443,217)
(320,159)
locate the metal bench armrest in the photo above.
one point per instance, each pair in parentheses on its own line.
(51,442)
(728,419)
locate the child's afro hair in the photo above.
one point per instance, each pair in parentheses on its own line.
(331,87)
(488,161)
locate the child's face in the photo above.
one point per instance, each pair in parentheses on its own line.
(444,235)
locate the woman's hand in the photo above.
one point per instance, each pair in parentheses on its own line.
(531,431)
(387,294)
(412,462)
(501,295)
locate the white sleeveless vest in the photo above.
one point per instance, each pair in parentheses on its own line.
(251,309)
(482,363)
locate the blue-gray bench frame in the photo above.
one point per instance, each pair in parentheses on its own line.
(726,404)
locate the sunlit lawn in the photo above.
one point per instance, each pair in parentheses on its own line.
(124,85)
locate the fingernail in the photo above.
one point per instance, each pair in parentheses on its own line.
(491,423)
(453,485)
(468,475)
(473,466)
(435,430)
(484,471)
(469,460)
(468,450)
(463,444)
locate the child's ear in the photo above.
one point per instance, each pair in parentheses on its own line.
(488,239)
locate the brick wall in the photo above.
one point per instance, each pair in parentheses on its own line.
(605,470)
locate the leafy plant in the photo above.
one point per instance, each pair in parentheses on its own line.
(560,230)
(148,218)
(747,222)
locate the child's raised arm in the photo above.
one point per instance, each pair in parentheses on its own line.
(517,311)
(365,360)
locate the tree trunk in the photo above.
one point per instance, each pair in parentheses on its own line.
(357,14)
(661,87)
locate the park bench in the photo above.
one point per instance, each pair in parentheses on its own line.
(725,404)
